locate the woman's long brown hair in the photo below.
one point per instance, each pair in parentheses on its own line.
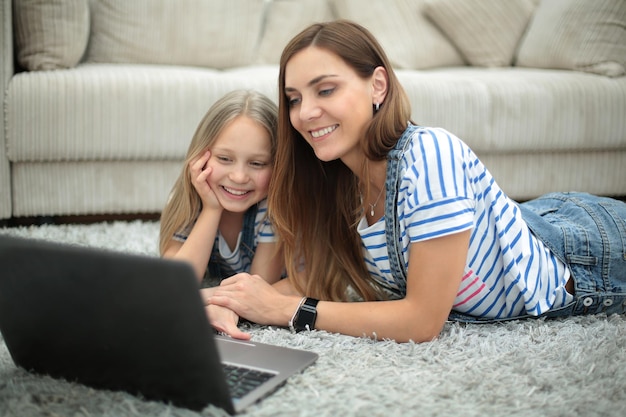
(315,205)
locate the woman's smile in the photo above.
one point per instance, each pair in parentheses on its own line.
(316,134)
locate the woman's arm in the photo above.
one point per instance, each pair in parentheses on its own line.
(434,275)
(435,270)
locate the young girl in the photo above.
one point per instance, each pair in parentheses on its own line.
(406,218)
(216,216)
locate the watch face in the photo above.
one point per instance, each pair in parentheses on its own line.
(307,315)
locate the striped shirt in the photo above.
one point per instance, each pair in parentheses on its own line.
(238,260)
(445,189)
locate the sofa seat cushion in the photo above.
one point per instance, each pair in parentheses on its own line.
(144,112)
(117,112)
(520,109)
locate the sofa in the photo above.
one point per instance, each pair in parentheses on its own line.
(101,97)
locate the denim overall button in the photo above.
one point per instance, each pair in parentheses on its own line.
(587,301)
(608,302)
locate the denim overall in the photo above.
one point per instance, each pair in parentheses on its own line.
(587,233)
(218,269)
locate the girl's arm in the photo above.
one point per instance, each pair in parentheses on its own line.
(434,276)
(267,262)
(197,248)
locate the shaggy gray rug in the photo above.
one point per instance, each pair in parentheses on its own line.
(569,367)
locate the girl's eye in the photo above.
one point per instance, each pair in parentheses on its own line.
(223,159)
(258,164)
(293,101)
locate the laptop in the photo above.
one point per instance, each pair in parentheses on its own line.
(129,323)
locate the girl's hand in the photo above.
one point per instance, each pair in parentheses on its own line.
(225,320)
(199,172)
(222,319)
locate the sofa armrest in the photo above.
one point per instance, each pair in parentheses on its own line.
(7,69)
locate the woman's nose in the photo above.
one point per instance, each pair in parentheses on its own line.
(309,110)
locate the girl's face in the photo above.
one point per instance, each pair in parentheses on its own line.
(242,164)
(329,104)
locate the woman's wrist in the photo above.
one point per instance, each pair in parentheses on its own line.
(294,316)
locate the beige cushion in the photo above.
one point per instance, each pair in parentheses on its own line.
(50,34)
(486,32)
(208,33)
(584,35)
(410,40)
(285,19)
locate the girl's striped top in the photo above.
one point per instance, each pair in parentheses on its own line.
(238,260)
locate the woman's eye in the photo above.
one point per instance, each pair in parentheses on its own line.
(293,101)
(326,91)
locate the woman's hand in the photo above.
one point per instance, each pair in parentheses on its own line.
(250,296)
(199,172)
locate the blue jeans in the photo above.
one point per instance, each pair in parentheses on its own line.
(586,232)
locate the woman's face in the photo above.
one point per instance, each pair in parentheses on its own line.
(329,104)
(242,164)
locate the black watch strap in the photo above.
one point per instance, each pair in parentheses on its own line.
(307,315)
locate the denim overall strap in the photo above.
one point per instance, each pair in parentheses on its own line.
(247,238)
(392,183)
(217,268)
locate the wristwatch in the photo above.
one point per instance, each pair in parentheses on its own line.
(307,313)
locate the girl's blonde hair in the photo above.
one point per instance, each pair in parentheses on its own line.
(315,205)
(184,204)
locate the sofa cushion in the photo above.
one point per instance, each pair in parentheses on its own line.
(208,33)
(584,35)
(410,40)
(511,109)
(486,32)
(285,19)
(117,111)
(50,34)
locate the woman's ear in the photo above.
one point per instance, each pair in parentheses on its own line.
(379,85)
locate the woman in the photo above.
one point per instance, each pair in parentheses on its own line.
(407,219)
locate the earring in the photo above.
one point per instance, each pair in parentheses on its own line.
(377,106)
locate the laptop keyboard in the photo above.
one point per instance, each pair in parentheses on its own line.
(242,380)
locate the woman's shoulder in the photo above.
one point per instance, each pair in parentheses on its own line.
(423,143)
(419,132)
